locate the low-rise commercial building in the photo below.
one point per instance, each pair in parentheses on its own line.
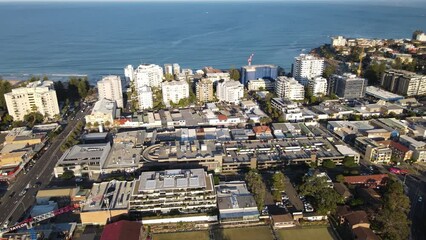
(106,201)
(235,203)
(185,190)
(103,113)
(83,159)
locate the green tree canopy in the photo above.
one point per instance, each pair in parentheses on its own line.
(234,74)
(278,185)
(349,162)
(393,220)
(257,187)
(374,72)
(5,87)
(325,198)
(33,118)
(328,164)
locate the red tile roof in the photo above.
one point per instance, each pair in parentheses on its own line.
(399,147)
(122,230)
(357,217)
(261,129)
(362,233)
(377,178)
(222,117)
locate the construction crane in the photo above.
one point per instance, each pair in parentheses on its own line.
(30,222)
(250,59)
(361,57)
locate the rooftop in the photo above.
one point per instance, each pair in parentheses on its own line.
(172,179)
(104,106)
(114,194)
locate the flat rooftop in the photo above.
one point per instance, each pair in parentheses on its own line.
(172,179)
(382,94)
(116,194)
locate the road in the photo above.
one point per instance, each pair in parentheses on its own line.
(13,207)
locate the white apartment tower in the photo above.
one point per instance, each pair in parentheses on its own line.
(145,98)
(230,91)
(129,74)
(289,88)
(176,69)
(148,75)
(307,67)
(168,68)
(37,96)
(110,87)
(174,91)
(318,86)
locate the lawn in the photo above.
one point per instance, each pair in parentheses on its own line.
(202,235)
(305,233)
(252,233)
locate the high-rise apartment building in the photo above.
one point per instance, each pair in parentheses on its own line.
(318,86)
(176,69)
(36,96)
(404,82)
(174,91)
(289,88)
(148,75)
(254,72)
(129,74)
(204,90)
(168,69)
(349,85)
(229,91)
(110,87)
(145,98)
(307,67)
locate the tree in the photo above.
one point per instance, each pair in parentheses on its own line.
(33,118)
(169,77)
(340,178)
(278,185)
(328,164)
(393,220)
(61,93)
(107,123)
(96,124)
(349,162)
(257,187)
(265,120)
(234,74)
(5,87)
(89,125)
(67,175)
(328,71)
(325,198)
(374,72)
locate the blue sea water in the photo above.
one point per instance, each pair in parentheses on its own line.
(96,39)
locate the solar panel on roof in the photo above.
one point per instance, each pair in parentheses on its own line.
(181,182)
(194,182)
(150,184)
(169,182)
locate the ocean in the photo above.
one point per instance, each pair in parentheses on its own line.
(96,39)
